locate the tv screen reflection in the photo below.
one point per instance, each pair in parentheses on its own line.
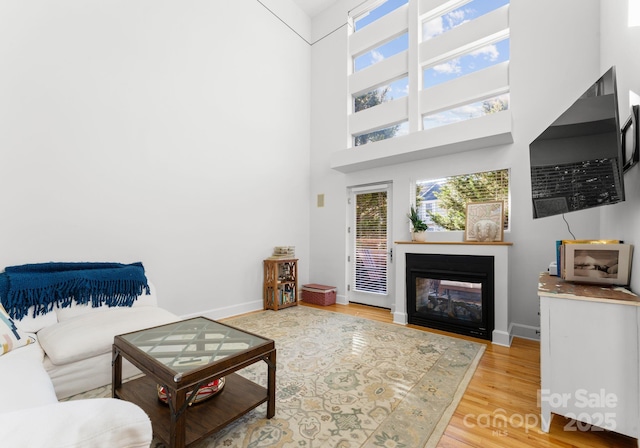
(576,163)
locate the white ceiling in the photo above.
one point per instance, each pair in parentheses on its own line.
(313,7)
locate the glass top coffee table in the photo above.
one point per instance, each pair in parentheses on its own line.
(184,356)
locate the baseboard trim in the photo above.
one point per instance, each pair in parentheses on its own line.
(400,318)
(228,311)
(498,337)
(503,338)
(525,332)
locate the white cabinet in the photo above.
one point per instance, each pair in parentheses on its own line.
(589,362)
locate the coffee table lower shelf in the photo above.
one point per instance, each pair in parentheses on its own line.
(238,397)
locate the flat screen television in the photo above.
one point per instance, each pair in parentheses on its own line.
(577,162)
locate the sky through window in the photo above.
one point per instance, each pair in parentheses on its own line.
(382,10)
(458,16)
(473,61)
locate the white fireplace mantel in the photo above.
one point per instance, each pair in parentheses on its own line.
(500,254)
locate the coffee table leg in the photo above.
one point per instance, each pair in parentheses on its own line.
(177,428)
(116,371)
(271,386)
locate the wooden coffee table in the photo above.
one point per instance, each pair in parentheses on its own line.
(188,354)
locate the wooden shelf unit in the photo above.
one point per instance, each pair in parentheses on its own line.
(280,287)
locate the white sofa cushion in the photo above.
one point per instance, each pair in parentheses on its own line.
(24,382)
(77,310)
(31,324)
(95,423)
(92,334)
(81,376)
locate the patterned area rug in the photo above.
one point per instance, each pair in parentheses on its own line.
(348,382)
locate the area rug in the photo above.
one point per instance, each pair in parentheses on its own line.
(348,382)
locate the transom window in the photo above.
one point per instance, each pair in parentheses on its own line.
(446,21)
(374,14)
(382,134)
(476,59)
(383,94)
(393,47)
(450,65)
(466,111)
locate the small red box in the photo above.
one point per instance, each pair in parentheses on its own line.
(319,294)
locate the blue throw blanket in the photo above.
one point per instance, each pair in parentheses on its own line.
(45,285)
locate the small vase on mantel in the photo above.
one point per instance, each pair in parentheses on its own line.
(419,236)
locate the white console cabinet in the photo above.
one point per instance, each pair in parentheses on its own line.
(589,362)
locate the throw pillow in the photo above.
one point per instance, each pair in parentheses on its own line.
(10,337)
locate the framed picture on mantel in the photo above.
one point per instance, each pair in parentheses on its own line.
(484,221)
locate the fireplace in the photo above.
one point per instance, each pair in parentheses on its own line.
(453,293)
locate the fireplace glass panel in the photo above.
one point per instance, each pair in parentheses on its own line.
(449,299)
(451,292)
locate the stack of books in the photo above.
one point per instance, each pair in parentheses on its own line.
(284,252)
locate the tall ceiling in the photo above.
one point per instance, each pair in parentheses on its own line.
(314,7)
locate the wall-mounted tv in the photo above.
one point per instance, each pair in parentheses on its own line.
(577,162)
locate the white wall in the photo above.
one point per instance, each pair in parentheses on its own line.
(618,47)
(554,58)
(168,132)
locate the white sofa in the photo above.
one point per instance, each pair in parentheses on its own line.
(71,353)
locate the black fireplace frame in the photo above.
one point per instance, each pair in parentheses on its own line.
(463,268)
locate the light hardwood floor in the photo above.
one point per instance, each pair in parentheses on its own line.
(499,408)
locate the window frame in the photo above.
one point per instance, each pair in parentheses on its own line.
(427,218)
(487,28)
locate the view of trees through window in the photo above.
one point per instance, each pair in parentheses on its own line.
(442,203)
(388,92)
(467,112)
(374,136)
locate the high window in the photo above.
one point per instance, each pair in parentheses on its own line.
(420,64)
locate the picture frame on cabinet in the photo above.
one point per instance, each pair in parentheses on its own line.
(608,264)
